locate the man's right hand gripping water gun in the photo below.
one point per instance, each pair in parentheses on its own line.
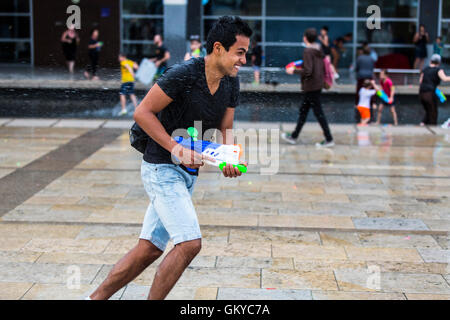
(220,154)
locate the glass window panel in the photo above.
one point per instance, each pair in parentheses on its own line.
(14,27)
(233,7)
(390,32)
(281,56)
(310,8)
(138,51)
(16,52)
(141,29)
(390,8)
(292,31)
(445,32)
(142,7)
(403,61)
(255,25)
(19,6)
(445,9)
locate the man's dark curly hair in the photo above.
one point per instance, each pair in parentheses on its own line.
(225,31)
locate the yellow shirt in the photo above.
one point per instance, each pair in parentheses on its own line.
(126,75)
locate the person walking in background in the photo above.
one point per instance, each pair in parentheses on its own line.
(364,70)
(127,68)
(70,41)
(326,48)
(421,39)
(312,78)
(160,57)
(256,56)
(93,52)
(437,46)
(196,49)
(430,78)
(389,89)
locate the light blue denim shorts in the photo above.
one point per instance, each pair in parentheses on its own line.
(171,213)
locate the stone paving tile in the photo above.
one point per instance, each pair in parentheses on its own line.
(78,258)
(109,232)
(125,124)
(227,219)
(72,123)
(427,296)
(337,239)
(294,279)
(306,221)
(266,205)
(383,254)
(19,256)
(5,172)
(308,252)
(444,241)
(120,246)
(13,244)
(241,249)
(13,290)
(438,225)
(315,265)
(140,292)
(223,277)
(397,241)
(251,262)
(4,120)
(389,224)
(338,198)
(435,255)
(116,216)
(262,294)
(63,292)
(275,236)
(335,212)
(66,245)
(31,123)
(339,295)
(349,207)
(425,214)
(391,282)
(409,267)
(45,273)
(39,230)
(216,234)
(249,196)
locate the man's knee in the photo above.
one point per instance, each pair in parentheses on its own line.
(190,248)
(148,251)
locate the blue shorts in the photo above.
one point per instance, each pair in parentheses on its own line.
(127,88)
(171,213)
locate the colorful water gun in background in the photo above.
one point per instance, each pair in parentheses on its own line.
(295,64)
(223,154)
(441,96)
(383,96)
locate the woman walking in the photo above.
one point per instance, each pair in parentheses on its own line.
(70,41)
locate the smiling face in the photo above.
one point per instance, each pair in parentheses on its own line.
(230,61)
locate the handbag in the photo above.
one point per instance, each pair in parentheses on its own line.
(138,138)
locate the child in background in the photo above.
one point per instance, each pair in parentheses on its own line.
(368,89)
(196,48)
(127,68)
(389,89)
(437,46)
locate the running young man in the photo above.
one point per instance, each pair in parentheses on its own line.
(202,89)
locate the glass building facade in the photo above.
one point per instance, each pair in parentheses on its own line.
(16,33)
(278,23)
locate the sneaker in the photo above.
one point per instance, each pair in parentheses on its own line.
(122,112)
(287,138)
(325,144)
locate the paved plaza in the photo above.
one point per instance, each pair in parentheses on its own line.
(367,219)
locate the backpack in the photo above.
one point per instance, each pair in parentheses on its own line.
(328,74)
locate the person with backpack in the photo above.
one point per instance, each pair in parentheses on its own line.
(313,80)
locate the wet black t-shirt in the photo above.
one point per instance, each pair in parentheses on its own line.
(192,101)
(159,54)
(430,79)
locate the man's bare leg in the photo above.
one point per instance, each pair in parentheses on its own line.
(128,268)
(172,267)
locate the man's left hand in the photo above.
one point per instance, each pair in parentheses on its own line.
(231,172)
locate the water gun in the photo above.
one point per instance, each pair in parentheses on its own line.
(441,96)
(383,96)
(295,64)
(196,53)
(223,153)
